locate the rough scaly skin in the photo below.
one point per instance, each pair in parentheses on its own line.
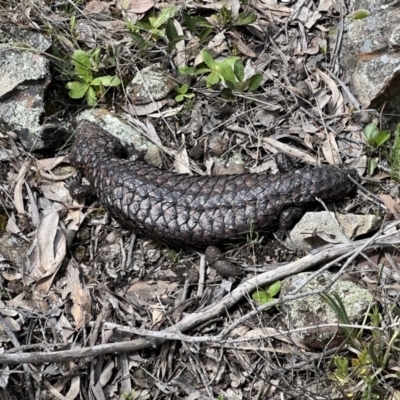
(198,211)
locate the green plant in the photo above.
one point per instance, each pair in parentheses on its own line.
(225,18)
(129,396)
(174,256)
(183,93)
(395,156)
(358,374)
(198,26)
(153,27)
(86,85)
(230,71)
(360,14)
(266,295)
(375,138)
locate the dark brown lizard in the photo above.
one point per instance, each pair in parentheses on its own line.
(199,211)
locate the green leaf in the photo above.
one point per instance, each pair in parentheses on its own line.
(274,288)
(372,164)
(207,58)
(82,65)
(204,34)
(91,98)
(226,72)
(106,81)
(179,98)
(382,137)
(170,30)
(241,86)
(77,89)
(185,70)
(212,79)
(227,93)
(143,25)
(238,69)
(255,81)
(163,16)
(245,19)
(143,45)
(370,131)
(183,89)
(173,42)
(190,23)
(189,95)
(260,297)
(202,69)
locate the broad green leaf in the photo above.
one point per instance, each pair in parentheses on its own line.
(212,79)
(179,98)
(238,69)
(226,72)
(183,89)
(260,297)
(77,89)
(207,58)
(230,61)
(157,33)
(241,86)
(202,70)
(274,288)
(91,98)
(372,164)
(185,70)
(255,81)
(170,30)
(227,93)
(382,137)
(143,25)
(106,81)
(82,65)
(163,16)
(189,95)
(370,131)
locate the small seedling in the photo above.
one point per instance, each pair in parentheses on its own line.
(225,18)
(266,295)
(375,138)
(183,93)
(230,71)
(86,85)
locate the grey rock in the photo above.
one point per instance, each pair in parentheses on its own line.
(312,311)
(24,78)
(124,132)
(149,84)
(369,56)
